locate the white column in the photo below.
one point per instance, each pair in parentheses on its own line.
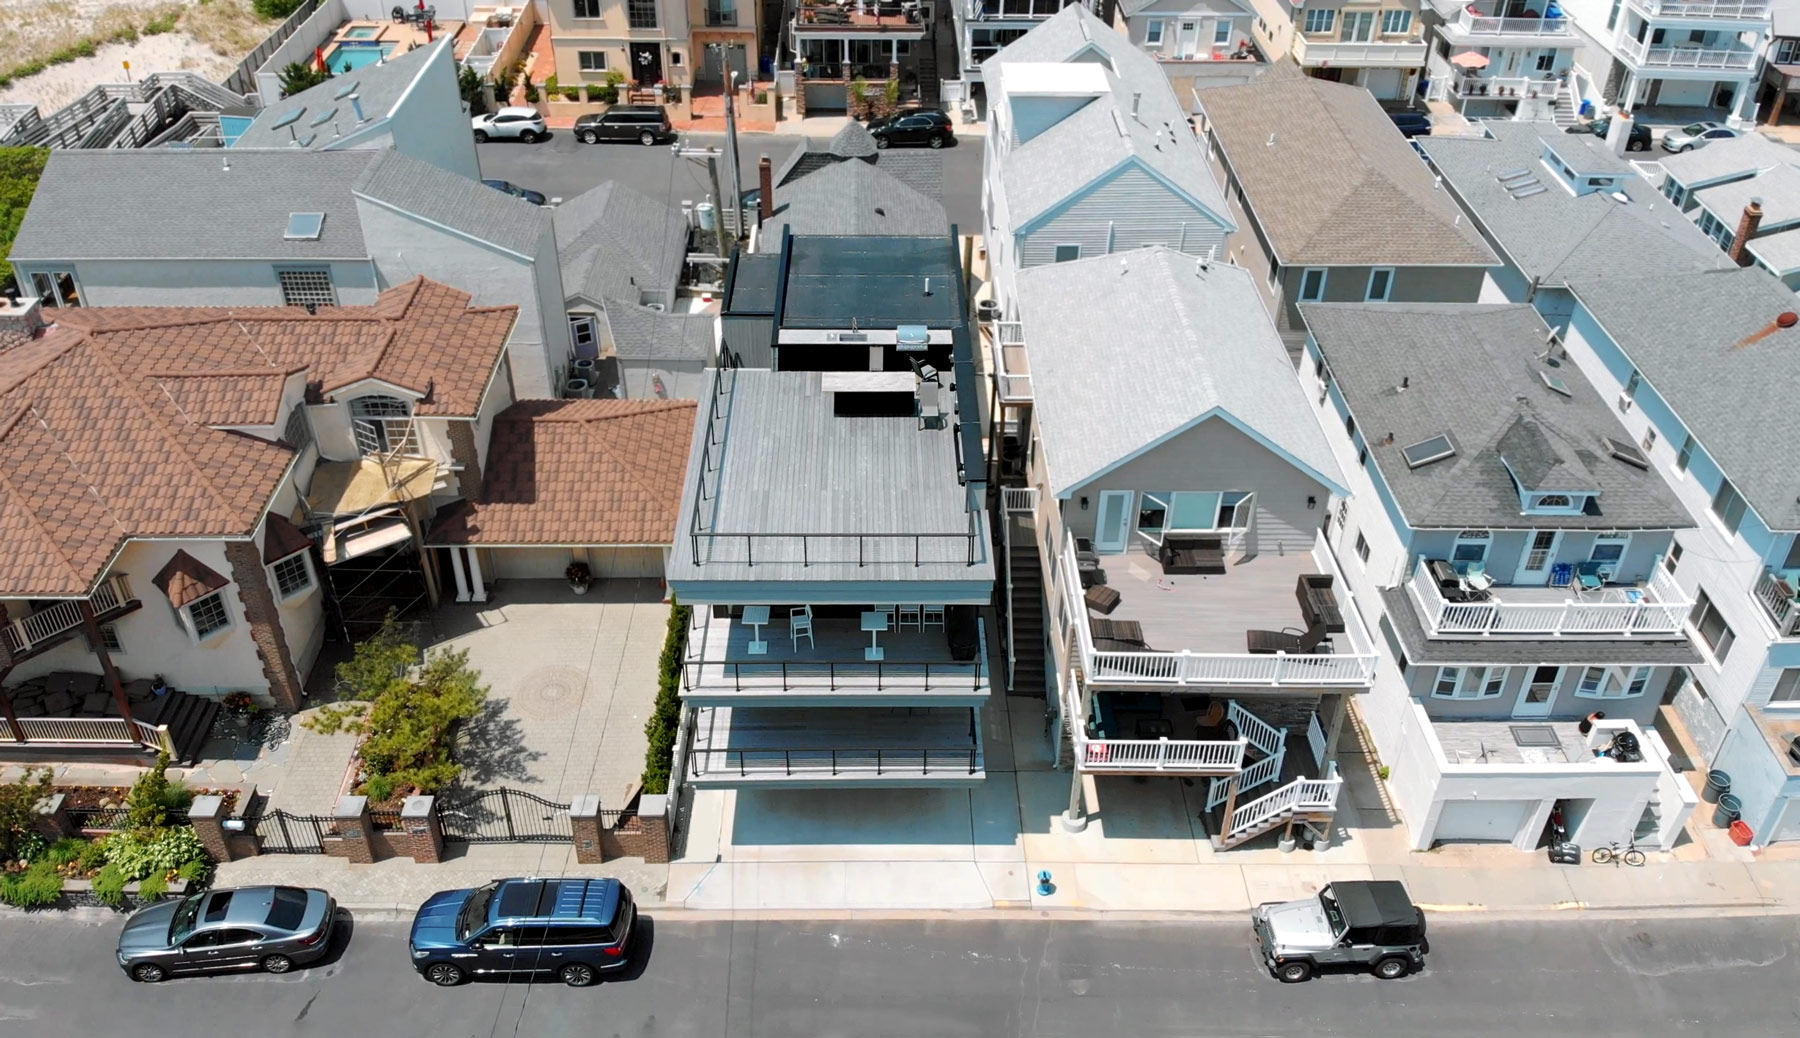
(477,589)
(462,580)
(1743,113)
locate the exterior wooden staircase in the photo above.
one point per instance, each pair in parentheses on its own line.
(1304,799)
(1025,610)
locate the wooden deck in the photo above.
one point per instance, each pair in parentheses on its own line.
(1208,613)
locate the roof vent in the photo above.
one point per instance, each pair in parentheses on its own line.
(1521,183)
(304,226)
(1627,453)
(1425,452)
(1137,98)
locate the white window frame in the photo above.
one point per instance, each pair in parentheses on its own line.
(192,622)
(1685,456)
(1362,548)
(1785,693)
(312,579)
(1307,272)
(110,640)
(1388,18)
(1722,516)
(1325,21)
(591,60)
(1222,33)
(584,325)
(1153,32)
(1387,286)
(1623,540)
(1469,683)
(1612,682)
(1484,538)
(1703,606)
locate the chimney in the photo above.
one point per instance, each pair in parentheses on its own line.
(1746,230)
(765,203)
(1618,135)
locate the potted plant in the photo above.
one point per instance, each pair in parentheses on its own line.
(242,707)
(579,577)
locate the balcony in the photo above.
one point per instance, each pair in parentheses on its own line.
(1006,357)
(858,19)
(813,747)
(1739,10)
(1193,630)
(1326,50)
(918,666)
(1483,20)
(1778,592)
(1500,87)
(1687,56)
(1657,608)
(1011,10)
(55,623)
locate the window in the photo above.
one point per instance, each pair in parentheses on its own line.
(1710,627)
(1362,547)
(1471,547)
(1673,558)
(1312,281)
(1350,427)
(1381,284)
(109,638)
(675,55)
(1553,501)
(1469,682)
(287,907)
(1685,455)
(208,615)
(1447,680)
(583,330)
(1320,19)
(1221,33)
(1546,61)
(1609,549)
(1395,23)
(308,288)
(591,60)
(381,425)
(641,13)
(1612,17)
(1065,253)
(1787,687)
(1728,506)
(293,576)
(587,8)
(1786,51)
(1153,33)
(1631,385)
(1612,682)
(57,288)
(1359,26)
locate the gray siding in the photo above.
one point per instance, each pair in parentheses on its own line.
(1129,211)
(1216,456)
(1507,547)
(202,282)
(1411,285)
(1566,706)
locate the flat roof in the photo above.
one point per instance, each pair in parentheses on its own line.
(872,282)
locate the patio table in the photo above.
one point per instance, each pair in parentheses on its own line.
(756,616)
(874,622)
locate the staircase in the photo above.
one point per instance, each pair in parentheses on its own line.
(927,65)
(188,718)
(1313,800)
(1565,107)
(1025,608)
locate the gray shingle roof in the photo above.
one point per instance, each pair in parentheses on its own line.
(1199,342)
(853,142)
(640,333)
(613,241)
(1780,252)
(453,201)
(851,198)
(1339,185)
(1421,649)
(1778,190)
(1557,236)
(1690,335)
(379,87)
(1735,157)
(158,203)
(1046,170)
(1471,373)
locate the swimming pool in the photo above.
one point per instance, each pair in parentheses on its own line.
(349,55)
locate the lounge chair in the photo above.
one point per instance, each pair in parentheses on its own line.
(1291,640)
(1192,555)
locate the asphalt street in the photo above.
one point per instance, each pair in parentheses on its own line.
(986,977)
(563,167)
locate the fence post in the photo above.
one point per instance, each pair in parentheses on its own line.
(424,830)
(653,813)
(350,824)
(207,816)
(584,820)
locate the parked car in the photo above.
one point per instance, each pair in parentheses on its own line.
(534,197)
(510,123)
(646,124)
(926,126)
(1697,135)
(576,929)
(1638,138)
(273,929)
(1411,124)
(1369,923)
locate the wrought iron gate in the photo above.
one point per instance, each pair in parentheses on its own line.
(505,816)
(282,833)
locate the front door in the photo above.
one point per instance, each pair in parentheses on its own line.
(1189,39)
(1113,525)
(1538,697)
(1540,553)
(646,64)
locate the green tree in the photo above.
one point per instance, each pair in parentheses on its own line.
(468,83)
(301,75)
(148,802)
(19,810)
(20,169)
(378,664)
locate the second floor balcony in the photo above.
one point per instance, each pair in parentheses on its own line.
(1321,50)
(1011,10)
(1008,361)
(1653,57)
(32,633)
(1737,10)
(1778,593)
(1587,603)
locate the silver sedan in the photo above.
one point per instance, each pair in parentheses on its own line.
(273,929)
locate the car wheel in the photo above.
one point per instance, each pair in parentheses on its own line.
(647,138)
(1640,146)
(148,973)
(1392,968)
(480,136)
(277,964)
(528,136)
(444,974)
(577,974)
(881,142)
(1294,972)
(936,141)
(590,137)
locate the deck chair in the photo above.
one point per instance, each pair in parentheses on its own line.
(800,622)
(1291,640)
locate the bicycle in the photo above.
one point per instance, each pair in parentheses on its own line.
(1612,855)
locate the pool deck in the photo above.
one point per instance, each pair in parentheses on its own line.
(405,36)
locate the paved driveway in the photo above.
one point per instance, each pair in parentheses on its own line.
(571,683)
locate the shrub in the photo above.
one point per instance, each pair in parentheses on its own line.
(503,83)
(550,86)
(607,94)
(194,871)
(665,717)
(67,850)
(153,886)
(275,8)
(160,25)
(140,853)
(30,847)
(893,93)
(571,93)
(531,92)
(36,887)
(19,809)
(301,75)
(377,663)
(20,170)
(148,802)
(92,856)
(109,886)
(468,84)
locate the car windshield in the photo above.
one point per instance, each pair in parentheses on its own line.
(474,914)
(1332,913)
(183,923)
(1694,130)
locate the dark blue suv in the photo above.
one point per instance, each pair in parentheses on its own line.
(574,928)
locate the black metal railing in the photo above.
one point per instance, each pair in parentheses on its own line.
(879,761)
(836,674)
(106,818)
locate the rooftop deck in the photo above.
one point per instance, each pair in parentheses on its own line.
(896,746)
(917,664)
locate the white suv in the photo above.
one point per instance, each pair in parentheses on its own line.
(523,123)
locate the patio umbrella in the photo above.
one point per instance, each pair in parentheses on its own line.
(1470,59)
(319,59)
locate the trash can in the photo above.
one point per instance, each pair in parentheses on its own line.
(1726,812)
(1587,109)
(1717,784)
(1740,833)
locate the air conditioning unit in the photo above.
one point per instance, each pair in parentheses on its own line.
(1624,403)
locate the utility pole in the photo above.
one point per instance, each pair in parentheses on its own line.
(737,176)
(711,155)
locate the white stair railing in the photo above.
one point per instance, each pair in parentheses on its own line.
(1262,735)
(1309,795)
(1262,772)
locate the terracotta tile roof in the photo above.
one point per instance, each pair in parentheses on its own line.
(579,472)
(186,578)
(282,539)
(108,423)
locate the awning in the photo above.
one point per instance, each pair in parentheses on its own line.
(1470,59)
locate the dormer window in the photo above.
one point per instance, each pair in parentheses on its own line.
(1556,504)
(1552,501)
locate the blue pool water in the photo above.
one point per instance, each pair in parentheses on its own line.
(356,55)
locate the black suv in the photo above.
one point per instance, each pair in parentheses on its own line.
(574,928)
(646,124)
(926,126)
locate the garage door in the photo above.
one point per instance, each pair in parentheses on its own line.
(1384,83)
(1497,820)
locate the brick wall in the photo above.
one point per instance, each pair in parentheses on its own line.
(465,453)
(264,619)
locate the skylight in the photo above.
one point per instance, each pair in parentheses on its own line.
(1555,383)
(289,118)
(1425,452)
(323,117)
(346,90)
(1627,453)
(304,226)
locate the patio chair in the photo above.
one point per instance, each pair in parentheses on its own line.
(1593,575)
(889,609)
(1291,640)
(1562,574)
(931,616)
(800,622)
(1477,578)
(1192,555)
(909,614)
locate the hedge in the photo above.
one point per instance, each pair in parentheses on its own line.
(664,725)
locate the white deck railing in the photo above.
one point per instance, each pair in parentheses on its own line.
(1176,755)
(86,731)
(1704,8)
(1262,735)
(1476,24)
(1778,600)
(1304,795)
(1014,386)
(1660,612)
(1689,56)
(1315,739)
(1395,53)
(1021,500)
(49,623)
